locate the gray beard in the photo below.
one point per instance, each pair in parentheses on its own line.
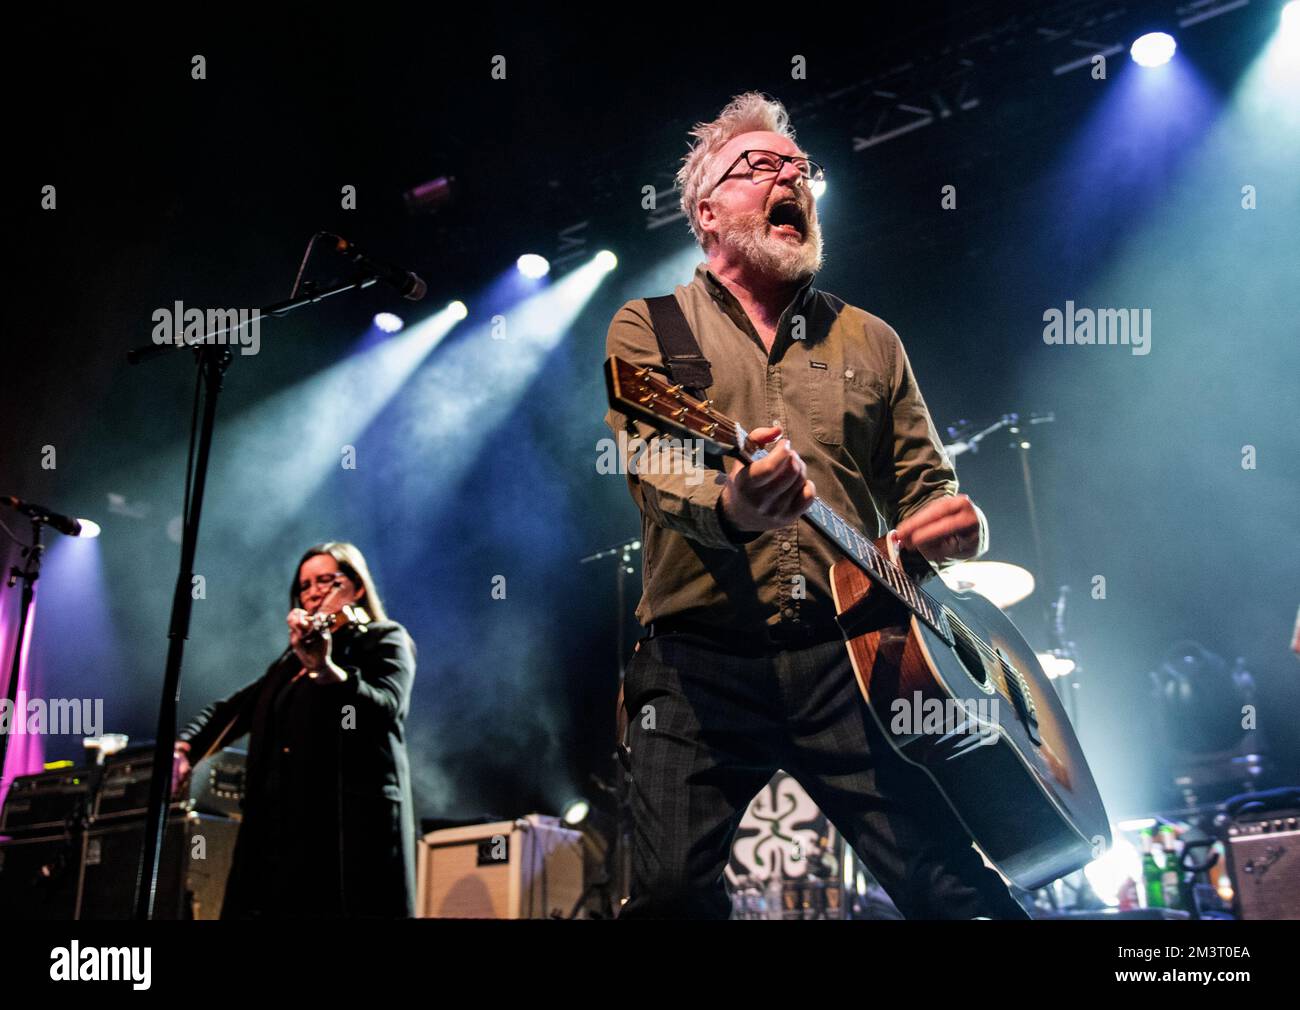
(785,261)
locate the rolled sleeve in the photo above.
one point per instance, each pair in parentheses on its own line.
(912,466)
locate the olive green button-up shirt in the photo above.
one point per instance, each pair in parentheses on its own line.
(839,384)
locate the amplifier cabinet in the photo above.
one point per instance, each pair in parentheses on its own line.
(47,803)
(530,868)
(1264,864)
(91,874)
(40,876)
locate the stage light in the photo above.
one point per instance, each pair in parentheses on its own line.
(261,461)
(575,812)
(388,322)
(818,188)
(511,341)
(1153,49)
(1288,36)
(606,260)
(89,528)
(533,266)
(1107,874)
(457,309)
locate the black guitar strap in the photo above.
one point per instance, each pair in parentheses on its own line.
(681,351)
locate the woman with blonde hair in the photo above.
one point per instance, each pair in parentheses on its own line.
(328,827)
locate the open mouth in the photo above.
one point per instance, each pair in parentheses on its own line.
(787,218)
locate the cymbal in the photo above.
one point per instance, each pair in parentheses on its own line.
(1000,583)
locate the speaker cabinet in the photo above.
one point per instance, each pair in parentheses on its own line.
(530,868)
(1264,864)
(40,877)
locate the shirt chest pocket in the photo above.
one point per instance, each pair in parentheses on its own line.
(841,398)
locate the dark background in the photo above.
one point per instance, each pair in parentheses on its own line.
(207,191)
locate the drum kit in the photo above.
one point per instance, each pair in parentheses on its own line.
(1004,585)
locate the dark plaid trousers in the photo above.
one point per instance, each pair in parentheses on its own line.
(709,728)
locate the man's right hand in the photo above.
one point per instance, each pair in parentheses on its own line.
(770,493)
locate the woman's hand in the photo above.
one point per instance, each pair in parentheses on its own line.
(313,649)
(180,767)
(310,646)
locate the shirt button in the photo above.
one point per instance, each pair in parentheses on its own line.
(771,369)
(848,373)
(787,612)
(785,545)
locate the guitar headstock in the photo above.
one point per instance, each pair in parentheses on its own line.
(647,395)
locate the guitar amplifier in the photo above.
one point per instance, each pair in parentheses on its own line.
(218,784)
(47,802)
(530,868)
(1264,864)
(40,876)
(197,852)
(91,874)
(124,789)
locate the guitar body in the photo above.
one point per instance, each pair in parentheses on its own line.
(1005,755)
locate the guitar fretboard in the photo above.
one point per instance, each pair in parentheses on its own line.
(885,572)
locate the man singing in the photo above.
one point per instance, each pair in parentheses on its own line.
(743,666)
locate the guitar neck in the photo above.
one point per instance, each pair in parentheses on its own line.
(883,571)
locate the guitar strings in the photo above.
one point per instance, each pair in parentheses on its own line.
(905,582)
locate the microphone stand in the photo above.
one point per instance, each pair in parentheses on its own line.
(29,573)
(1014,424)
(212,361)
(618,863)
(1052,613)
(624,553)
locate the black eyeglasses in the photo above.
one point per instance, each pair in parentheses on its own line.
(768,163)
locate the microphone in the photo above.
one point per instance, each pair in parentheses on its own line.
(64,524)
(409,285)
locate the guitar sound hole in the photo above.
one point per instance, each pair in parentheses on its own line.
(969,656)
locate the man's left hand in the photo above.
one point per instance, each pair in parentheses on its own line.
(941,530)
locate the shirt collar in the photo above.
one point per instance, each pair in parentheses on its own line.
(720,291)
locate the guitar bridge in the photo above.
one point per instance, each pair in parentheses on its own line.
(1021,699)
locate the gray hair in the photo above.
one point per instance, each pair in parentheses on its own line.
(745,113)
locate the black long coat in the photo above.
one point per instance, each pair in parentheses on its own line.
(328,827)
